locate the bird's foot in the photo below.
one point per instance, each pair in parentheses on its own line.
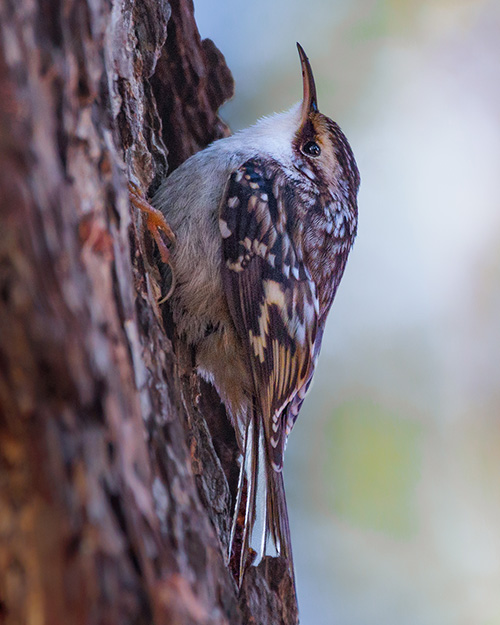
(155,222)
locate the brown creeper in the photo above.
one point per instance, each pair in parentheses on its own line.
(264,221)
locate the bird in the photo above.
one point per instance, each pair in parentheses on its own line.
(264,221)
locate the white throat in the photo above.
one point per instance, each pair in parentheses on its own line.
(272,135)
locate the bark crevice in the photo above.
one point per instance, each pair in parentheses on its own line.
(114,502)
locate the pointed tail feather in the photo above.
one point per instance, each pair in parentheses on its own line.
(260,518)
(278,526)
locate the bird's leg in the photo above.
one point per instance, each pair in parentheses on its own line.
(155,222)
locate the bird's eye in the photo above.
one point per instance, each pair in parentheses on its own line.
(311,148)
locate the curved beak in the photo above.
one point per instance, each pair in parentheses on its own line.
(309,100)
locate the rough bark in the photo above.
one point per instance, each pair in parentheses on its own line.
(114,505)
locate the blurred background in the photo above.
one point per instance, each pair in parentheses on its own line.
(393,469)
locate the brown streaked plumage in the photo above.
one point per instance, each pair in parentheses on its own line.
(264,222)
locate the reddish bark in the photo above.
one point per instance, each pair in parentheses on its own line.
(114,507)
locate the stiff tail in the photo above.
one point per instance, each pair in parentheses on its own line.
(260,521)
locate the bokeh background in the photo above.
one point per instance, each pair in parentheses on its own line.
(393,469)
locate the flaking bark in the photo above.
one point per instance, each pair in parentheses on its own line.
(115,462)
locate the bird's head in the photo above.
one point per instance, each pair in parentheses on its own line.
(320,149)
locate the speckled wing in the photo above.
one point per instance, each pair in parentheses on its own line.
(271,296)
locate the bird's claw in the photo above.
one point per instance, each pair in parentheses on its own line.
(155,222)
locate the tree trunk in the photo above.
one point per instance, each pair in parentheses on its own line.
(116,464)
